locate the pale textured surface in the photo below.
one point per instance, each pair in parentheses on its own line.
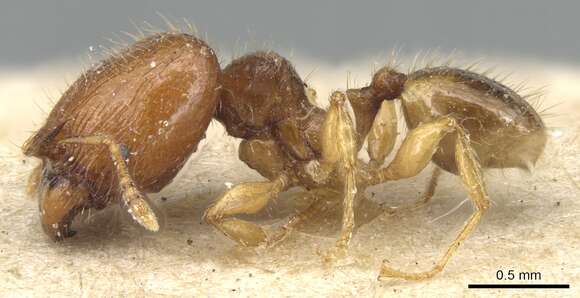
(532,226)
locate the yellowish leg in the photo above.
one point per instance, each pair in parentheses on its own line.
(381,140)
(429,192)
(320,199)
(415,153)
(382,136)
(245,198)
(348,211)
(339,149)
(134,199)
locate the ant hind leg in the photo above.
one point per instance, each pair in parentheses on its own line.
(426,198)
(413,155)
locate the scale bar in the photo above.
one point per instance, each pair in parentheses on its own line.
(518,286)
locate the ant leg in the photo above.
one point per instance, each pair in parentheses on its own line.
(320,198)
(383,134)
(59,203)
(429,192)
(415,153)
(339,149)
(381,140)
(134,199)
(245,198)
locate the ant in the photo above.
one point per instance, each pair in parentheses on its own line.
(126,127)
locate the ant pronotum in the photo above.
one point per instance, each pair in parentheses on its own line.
(151,104)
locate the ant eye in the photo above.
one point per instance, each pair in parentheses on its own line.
(305,85)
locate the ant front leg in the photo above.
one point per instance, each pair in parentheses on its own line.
(413,155)
(266,157)
(245,198)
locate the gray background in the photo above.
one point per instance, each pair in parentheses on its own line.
(33,31)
